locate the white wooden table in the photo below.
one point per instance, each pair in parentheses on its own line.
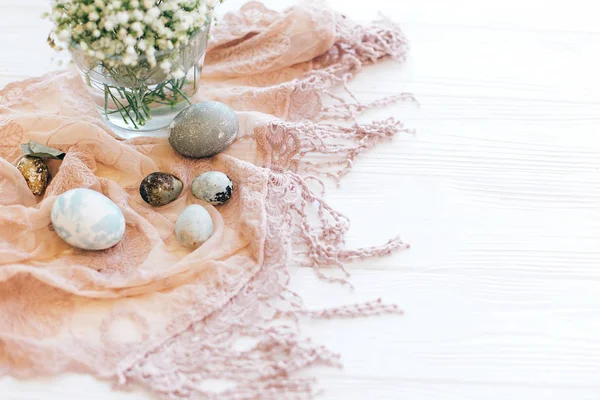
(498,193)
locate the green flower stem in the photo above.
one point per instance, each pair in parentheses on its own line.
(123,110)
(178,90)
(134,103)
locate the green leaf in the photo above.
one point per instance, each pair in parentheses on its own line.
(25,148)
(35,149)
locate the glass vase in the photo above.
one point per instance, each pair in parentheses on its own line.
(141,100)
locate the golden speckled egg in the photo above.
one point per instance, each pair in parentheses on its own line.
(35,172)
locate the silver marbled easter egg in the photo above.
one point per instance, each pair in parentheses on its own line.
(160,188)
(203,129)
(214,187)
(87,219)
(194,226)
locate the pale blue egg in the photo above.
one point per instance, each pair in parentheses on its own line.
(87,219)
(194,226)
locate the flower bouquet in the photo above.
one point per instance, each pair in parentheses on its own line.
(140,59)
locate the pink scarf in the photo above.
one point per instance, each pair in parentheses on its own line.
(149,311)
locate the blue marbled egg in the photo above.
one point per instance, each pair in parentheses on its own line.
(87,219)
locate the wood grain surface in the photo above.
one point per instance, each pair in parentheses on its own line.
(498,192)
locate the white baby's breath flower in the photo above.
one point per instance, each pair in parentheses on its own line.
(168,33)
(109,25)
(122,17)
(130,41)
(162,44)
(151,60)
(133,31)
(137,15)
(178,74)
(203,9)
(168,6)
(64,35)
(122,33)
(137,27)
(152,14)
(165,66)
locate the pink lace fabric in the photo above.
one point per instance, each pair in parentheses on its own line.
(148,311)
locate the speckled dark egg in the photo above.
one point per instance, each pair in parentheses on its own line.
(35,172)
(203,129)
(213,187)
(160,188)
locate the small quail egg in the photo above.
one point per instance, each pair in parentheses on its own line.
(194,226)
(35,172)
(213,187)
(160,188)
